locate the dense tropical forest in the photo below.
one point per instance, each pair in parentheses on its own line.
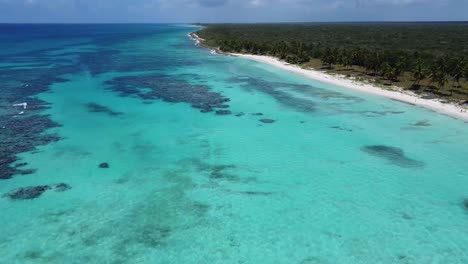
(428,58)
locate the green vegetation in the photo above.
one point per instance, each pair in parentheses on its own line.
(428,58)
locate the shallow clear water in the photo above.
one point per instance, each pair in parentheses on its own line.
(339,177)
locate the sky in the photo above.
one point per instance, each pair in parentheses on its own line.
(213,11)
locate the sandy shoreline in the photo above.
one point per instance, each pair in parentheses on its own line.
(395,93)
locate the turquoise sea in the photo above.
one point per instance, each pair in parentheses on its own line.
(136,146)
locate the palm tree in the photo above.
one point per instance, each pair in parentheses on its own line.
(438,73)
(328,57)
(442,80)
(419,73)
(456,70)
(443,70)
(398,68)
(346,59)
(387,71)
(466,71)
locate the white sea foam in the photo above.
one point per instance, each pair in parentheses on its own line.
(24,105)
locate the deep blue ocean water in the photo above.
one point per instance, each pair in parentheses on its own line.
(136,146)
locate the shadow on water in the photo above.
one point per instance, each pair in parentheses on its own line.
(394,155)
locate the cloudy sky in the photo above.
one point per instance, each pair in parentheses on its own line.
(169,11)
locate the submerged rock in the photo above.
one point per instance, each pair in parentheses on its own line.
(104,165)
(267,121)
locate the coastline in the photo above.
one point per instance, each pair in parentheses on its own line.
(396,93)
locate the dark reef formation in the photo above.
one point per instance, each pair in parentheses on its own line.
(29,193)
(21,134)
(23,125)
(169,89)
(392,154)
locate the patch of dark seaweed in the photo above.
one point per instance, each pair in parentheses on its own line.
(219,172)
(21,164)
(256,193)
(422,123)
(223,112)
(267,121)
(214,172)
(342,128)
(97,108)
(381,113)
(277,91)
(392,154)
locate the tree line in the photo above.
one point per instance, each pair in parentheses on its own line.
(433,54)
(387,64)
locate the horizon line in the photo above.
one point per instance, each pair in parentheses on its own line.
(262,22)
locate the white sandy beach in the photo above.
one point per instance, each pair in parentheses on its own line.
(394,92)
